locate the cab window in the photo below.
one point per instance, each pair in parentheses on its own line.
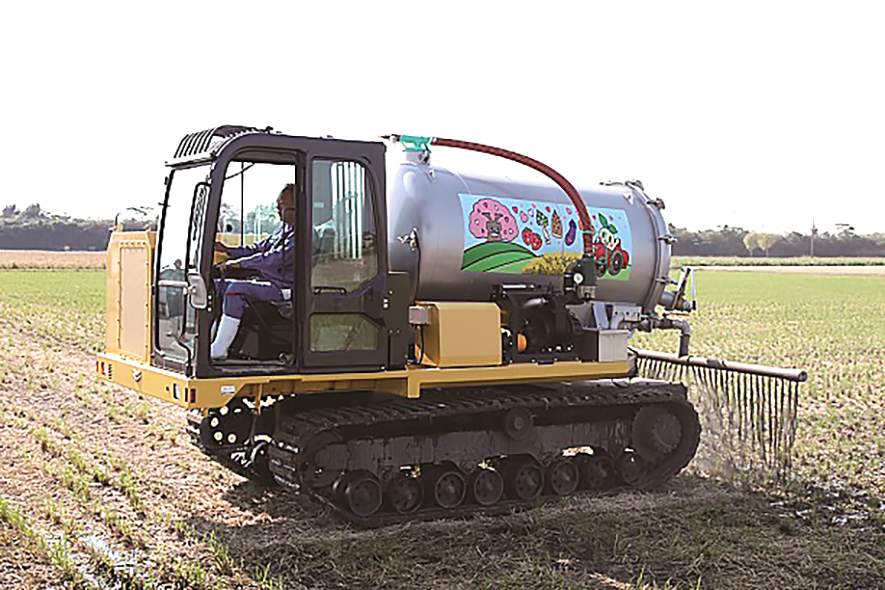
(345,256)
(248,201)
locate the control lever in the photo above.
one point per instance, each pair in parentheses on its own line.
(678,302)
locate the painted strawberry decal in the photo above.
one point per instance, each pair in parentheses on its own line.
(531,239)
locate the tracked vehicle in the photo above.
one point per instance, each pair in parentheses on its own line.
(450,343)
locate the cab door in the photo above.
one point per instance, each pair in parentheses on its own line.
(344,298)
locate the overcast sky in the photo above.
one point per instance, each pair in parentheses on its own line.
(764,115)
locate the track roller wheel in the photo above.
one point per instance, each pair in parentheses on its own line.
(486,486)
(518,423)
(631,468)
(563,477)
(597,472)
(446,486)
(523,478)
(360,492)
(404,493)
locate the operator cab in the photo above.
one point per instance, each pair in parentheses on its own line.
(332,312)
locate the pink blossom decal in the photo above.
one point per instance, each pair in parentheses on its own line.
(491,220)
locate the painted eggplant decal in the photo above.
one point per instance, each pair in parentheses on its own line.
(572,233)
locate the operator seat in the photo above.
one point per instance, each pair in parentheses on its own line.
(265,332)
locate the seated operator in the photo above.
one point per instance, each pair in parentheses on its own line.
(272,258)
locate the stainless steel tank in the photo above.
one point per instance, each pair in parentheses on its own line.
(458,235)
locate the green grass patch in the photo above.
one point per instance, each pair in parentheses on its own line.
(65,307)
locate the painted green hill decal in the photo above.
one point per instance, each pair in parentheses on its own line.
(493,256)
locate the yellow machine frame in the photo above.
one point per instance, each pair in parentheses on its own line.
(217,392)
(451,344)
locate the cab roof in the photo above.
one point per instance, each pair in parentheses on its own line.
(203,144)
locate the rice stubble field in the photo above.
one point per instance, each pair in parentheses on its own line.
(99,488)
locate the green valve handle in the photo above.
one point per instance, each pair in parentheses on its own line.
(415,143)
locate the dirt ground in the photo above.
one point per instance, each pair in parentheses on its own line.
(103,490)
(42,259)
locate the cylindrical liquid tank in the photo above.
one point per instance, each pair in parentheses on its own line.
(471,233)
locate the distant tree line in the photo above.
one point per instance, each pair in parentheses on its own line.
(735,241)
(35,229)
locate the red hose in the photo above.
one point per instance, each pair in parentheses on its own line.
(570,190)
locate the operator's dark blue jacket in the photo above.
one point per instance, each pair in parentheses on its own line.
(273,257)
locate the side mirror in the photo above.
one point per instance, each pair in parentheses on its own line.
(196,289)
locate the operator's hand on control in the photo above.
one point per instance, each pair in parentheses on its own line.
(221,247)
(229,265)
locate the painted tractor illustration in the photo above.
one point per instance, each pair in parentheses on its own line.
(610,256)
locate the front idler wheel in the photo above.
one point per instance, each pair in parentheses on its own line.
(316,469)
(523,478)
(563,477)
(447,487)
(487,486)
(656,431)
(362,493)
(404,493)
(631,468)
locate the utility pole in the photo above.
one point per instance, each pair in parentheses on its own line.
(813,232)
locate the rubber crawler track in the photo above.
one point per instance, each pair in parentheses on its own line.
(299,435)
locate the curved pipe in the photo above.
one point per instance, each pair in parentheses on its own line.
(559,179)
(684,332)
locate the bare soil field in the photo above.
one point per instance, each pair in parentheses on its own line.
(44,260)
(100,488)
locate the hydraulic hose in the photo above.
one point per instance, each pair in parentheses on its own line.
(559,179)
